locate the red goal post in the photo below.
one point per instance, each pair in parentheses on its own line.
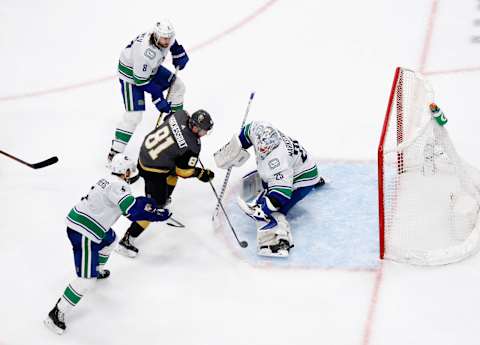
(428,197)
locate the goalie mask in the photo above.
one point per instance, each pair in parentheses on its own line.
(266,140)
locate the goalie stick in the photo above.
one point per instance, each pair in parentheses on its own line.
(229,170)
(39,165)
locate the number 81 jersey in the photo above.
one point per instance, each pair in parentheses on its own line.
(171,148)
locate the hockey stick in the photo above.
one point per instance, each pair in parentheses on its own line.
(227,176)
(175,223)
(39,165)
(242,244)
(160,117)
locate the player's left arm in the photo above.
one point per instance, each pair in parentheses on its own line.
(179,55)
(139,208)
(185,167)
(185,164)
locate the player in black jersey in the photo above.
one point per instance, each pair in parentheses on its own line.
(169,151)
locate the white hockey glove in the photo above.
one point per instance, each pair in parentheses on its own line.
(231,154)
(260,211)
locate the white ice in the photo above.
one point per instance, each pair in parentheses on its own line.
(322,72)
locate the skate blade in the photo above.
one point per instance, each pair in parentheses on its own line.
(125,252)
(51,326)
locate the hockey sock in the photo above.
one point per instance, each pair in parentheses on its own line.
(104,254)
(176,107)
(125,129)
(137,228)
(74,293)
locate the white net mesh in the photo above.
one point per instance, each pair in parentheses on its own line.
(430,202)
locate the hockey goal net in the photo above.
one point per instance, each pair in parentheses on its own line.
(428,197)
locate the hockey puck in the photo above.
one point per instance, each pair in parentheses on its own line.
(244,244)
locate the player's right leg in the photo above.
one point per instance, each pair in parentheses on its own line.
(86,257)
(134,102)
(107,245)
(165,79)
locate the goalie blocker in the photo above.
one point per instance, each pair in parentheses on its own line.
(231,154)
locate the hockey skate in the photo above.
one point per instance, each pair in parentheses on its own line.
(320,183)
(126,248)
(55,320)
(103,274)
(281,250)
(110,156)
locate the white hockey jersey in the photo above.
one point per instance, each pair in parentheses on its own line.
(140,59)
(287,167)
(96,212)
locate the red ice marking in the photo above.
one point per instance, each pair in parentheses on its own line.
(453,71)
(373,306)
(199,46)
(237,26)
(427,45)
(428,37)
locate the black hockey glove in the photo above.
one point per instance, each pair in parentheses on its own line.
(204,175)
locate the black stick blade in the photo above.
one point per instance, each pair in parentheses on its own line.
(45,163)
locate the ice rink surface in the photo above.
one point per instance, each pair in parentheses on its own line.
(322,73)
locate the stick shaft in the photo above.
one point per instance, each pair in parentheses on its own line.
(229,170)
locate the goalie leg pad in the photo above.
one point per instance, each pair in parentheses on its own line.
(274,240)
(231,154)
(251,185)
(177,94)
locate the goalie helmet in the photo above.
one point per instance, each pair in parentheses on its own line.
(163,28)
(120,164)
(266,140)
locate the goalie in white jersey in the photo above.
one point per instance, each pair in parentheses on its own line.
(287,174)
(89,231)
(140,71)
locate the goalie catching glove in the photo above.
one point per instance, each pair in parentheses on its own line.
(261,210)
(146,209)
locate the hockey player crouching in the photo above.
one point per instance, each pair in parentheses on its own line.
(169,151)
(89,230)
(287,174)
(141,71)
